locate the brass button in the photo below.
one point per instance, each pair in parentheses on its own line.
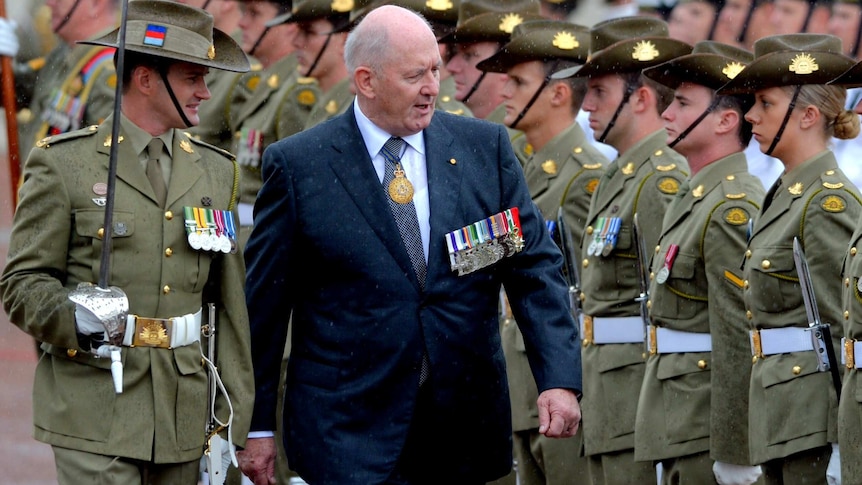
(657,248)
(658,153)
(701,364)
(586,263)
(583,296)
(649,304)
(166,289)
(853,251)
(169,252)
(585,343)
(747,253)
(830,172)
(847,282)
(765,264)
(731,177)
(71,352)
(651,276)
(101,232)
(846,315)
(169,215)
(754,359)
(796,370)
(578,150)
(745,284)
(589,230)
(748,314)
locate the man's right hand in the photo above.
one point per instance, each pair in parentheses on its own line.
(257,460)
(8,39)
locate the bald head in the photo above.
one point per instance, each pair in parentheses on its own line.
(394,64)
(377,37)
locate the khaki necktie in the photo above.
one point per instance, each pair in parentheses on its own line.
(154,170)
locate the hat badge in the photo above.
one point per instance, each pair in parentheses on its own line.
(342,6)
(803,64)
(565,41)
(439,5)
(644,51)
(732,69)
(211,52)
(510,20)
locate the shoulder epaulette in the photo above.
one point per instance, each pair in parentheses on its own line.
(305,80)
(831,179)
(214,148)
(256,66)
(733,190)
(48,141)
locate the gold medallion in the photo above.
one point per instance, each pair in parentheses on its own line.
(400,189)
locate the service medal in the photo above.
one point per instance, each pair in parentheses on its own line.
(859,285)
(662,275)
(195,240)
(664,272)
(400,189)
(591,249)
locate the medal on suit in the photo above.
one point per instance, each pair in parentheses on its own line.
(400,189)
(664,272)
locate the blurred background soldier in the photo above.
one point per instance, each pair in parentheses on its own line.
(693,405)
(741,22)
(73,86)
(279,98)
(562,172)
(800,16)
(155,430)
(692,21)
(321,31)
(625,112)
(846,24)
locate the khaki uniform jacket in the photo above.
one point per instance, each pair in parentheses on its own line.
(563,174)
(332,103)
(55,244)
(278,107)
(792,406)
(644,180)
(850,408)
(697,401)
(75,89)
(446,99)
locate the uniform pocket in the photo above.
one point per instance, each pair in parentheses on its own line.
(88,227)
(774,285)
(192,401)
(685,391)
(795,396)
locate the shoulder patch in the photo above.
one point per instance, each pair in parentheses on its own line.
(668,185)
(833,203)
(736,216)
(590,185)
(306,97)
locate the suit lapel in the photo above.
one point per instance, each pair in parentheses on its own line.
(129,168)
(444,185)
(352,165)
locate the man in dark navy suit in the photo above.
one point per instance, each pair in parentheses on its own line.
(365,240)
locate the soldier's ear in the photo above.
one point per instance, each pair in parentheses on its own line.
(561,93)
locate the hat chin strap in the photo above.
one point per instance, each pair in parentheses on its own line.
(258,41)
(630,88)
(534,98)
(319,55)
(163,72)
(67,17)
(696,122)
(784,121)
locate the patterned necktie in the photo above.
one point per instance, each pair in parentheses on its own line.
(408,226)
(154,170)
(404,214)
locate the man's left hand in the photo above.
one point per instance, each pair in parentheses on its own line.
(559,413)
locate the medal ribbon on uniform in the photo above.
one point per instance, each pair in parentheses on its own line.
(613,235)
(664,272)
(485,242)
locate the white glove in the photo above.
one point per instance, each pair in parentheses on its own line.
(833,470)
(8,40)
(87,323)
(730,474)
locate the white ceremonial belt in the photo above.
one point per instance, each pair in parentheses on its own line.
(852,349)
(667,341)
(611,330)
(771,341)
(162,333)
(246,214)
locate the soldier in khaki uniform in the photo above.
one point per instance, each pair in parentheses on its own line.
(321,31)
(278,98)
(624,110)
(849,415)
(563,171)
(154,431)
(73,85)
(693,405)
(793,407)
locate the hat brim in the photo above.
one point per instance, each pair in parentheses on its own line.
(702,69)
(773,70)
(607,61)
(229,56)
(852,78)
